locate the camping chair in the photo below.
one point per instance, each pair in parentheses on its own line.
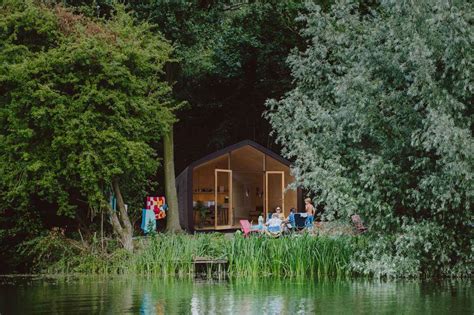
(300,220)
(273,231)
(247,227)
(358,223)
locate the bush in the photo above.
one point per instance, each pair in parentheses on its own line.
(419,250)
(380,123)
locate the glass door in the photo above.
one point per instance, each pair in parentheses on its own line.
(274,191)
(223,198)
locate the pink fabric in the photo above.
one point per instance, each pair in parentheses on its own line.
(246,228)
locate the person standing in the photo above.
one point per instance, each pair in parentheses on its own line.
(310,211)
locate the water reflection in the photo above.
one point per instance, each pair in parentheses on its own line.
(158,296)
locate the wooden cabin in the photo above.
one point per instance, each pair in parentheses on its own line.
(242,181)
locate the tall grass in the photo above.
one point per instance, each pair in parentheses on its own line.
(172,255)
(302,256)
(295,256)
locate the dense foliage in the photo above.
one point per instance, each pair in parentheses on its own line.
(380,123)
(82,105)
(231,59)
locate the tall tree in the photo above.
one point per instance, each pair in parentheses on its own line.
(83,104)
(172,224)
(380,123)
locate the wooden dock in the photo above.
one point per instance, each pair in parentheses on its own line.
(210,267)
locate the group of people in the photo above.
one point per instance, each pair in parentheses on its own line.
(277,222)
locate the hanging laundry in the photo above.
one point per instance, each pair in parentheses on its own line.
(158,205)
(162,213)
(148,221)
(113,202)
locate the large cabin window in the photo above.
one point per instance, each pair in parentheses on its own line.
(240,185)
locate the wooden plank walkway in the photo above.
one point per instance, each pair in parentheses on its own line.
(208,264)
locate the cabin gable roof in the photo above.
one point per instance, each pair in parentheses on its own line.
(236,146)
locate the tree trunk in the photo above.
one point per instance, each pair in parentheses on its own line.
(120,220)
(170,184)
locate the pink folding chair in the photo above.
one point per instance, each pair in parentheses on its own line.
(246,227)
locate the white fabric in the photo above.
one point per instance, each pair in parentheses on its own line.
(274,222)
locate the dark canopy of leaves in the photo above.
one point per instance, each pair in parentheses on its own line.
(231,59)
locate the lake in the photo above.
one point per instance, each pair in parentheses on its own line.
(127,295)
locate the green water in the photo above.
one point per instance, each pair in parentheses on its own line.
(119,295)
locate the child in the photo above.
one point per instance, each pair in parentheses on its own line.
(310,212)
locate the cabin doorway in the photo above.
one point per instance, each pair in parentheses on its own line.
(223,199)
(274,191)
(247,192)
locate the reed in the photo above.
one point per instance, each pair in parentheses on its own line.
(290,256)
(302,256)
(172,255)
(165,255)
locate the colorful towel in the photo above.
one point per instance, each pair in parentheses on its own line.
(148,221)
(113,202)
(158,206)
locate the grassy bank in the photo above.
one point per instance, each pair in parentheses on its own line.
(172,255)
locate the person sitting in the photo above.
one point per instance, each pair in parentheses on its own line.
(274,224)
(279,213)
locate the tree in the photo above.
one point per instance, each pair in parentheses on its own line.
(172,224)
(380,123)
(83,105)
